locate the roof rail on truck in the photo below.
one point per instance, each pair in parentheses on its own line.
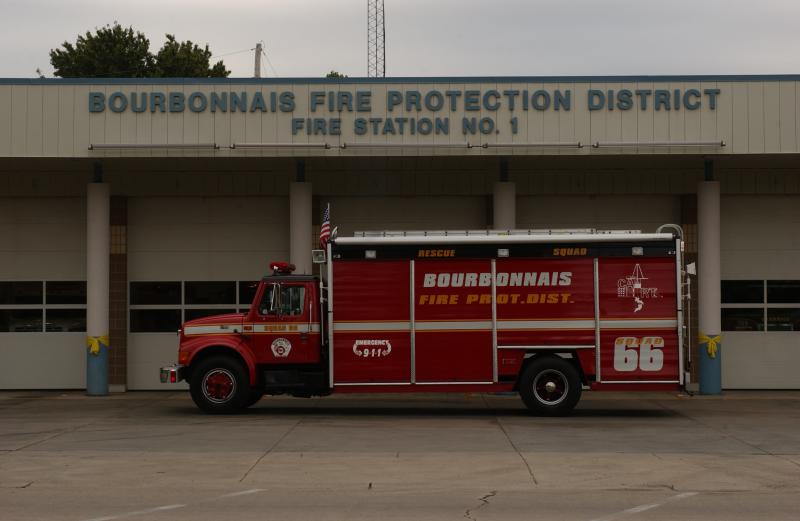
(490,233)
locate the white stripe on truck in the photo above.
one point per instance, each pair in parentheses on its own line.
(502,325)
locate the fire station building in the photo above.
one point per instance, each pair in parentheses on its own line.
(130,206)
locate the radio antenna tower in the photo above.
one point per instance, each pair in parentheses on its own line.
(376,40)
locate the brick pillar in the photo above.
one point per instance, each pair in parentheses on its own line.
(118,296)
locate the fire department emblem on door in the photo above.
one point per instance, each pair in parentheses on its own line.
(281,347)
(633,286)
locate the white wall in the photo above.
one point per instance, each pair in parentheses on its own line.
(147,352)
(53,120)
(42,360)
(352,214)
(205,238)
(760,237)
(638,212)
(42,238)
(759,360)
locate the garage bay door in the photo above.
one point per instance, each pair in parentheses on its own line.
(760,292)
(189,257)
(42,293)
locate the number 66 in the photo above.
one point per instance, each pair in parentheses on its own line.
(645,354)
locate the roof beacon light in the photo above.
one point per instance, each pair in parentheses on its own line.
(281,268)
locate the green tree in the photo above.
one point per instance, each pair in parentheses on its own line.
(334,74)
(186,59)
(112,51)
(116,52)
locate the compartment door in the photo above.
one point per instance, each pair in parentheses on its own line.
(371,321)
(638,320)
(453,321)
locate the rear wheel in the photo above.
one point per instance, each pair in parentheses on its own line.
(550,386)
(220,385)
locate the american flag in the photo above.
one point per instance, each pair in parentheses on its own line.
(325,229)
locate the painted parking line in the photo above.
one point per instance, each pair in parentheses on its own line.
(643,508)
(243,493)
(138,512)
(173,507)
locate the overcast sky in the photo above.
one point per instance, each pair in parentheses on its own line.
(435,37)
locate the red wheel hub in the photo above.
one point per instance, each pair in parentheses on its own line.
(219,385)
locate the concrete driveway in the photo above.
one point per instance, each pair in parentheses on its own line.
(65,456)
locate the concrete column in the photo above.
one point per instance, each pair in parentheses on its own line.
(98,244)
(505,206)
(708,280)
(300,244)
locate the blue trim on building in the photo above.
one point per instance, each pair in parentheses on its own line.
(411,79)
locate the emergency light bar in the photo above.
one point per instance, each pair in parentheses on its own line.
(281,268)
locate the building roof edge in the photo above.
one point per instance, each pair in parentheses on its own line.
(403,79)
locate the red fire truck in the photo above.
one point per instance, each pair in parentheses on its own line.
(544,314)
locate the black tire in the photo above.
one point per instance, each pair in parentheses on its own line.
(255,396)
(550,386)
(220,385)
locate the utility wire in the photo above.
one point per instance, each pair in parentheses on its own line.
(269,63)
(232,52)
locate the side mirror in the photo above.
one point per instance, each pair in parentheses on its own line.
(318,256)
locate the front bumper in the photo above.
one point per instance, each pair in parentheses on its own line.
(172,374)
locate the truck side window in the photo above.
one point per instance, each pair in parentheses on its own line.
(291,304)
(292,300)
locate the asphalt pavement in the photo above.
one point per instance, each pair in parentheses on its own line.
(631,457)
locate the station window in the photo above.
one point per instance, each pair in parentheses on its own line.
(761,305)
(783,319)
(247,292)
(742,291)
(42,306)
(743,319)
(209,292)
(783,291)
(25,292)
(162,306)
(155,293)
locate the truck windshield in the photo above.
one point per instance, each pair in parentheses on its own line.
(290,302)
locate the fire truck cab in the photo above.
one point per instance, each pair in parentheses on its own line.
(545,314)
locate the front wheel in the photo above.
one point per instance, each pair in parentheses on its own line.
(254,397)
(550,386)
(220,385)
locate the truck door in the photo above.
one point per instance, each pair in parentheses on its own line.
(284,329)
